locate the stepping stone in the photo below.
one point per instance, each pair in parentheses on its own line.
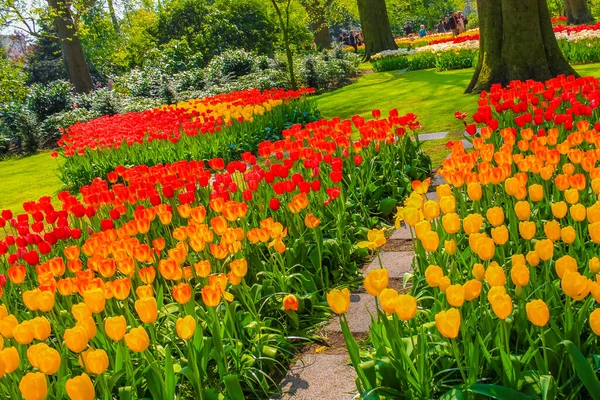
(320,376)
(401,234)
(467,144)
(432,195)
(362,306)
(432,136)
(396,262)
(437,180)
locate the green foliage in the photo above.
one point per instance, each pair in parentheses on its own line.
(45,100)
(329,69)
(12,81)
(443,61)
(426,12)
(43,62)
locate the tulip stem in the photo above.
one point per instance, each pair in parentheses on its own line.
(458,359)
(546,365)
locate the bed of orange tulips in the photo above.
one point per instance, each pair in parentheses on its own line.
(194,279)
(504,294)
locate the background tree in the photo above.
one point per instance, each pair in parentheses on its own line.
(318,13)
(376,27)
(72,51)
(283,10)
(516,42)
(577,12)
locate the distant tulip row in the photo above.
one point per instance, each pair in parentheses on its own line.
(220,126)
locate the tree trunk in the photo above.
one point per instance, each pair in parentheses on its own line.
(376,27)
(516,43)
(72,52)
(285,28)
(317,12)
(577,12)
(113,16)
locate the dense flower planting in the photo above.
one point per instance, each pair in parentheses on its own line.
(505,288)
(193,278)
(578,43)
(219,126)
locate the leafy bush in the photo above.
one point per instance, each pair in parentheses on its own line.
(473,22)
(28,130)
(231,64)
(55,123)
(47,99)
(140,82)
(329,69)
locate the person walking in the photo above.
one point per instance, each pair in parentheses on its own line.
(460,23)
(453,24)
(407,29)
(446,25)
(440,27)
(352,40)
(422,31)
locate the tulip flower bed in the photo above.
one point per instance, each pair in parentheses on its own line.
(195,279)
(505,288)
(579,45)
(220,126)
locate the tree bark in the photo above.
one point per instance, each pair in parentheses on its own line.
(516,43)
(113,16)
(317,12)
(376,27)
(577,12)
(72,52)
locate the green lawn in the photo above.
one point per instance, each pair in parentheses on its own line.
(433,96)
(27,178)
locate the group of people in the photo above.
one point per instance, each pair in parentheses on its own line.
(456,24)
(352,38)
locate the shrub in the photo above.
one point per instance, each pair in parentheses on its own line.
(231,64)
(47,99)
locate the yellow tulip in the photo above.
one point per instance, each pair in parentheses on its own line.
(339,300)
(474,191)
(455,295)
(575,285)
(478,271)
(95,299)
(448,204)
(49,361)
(115,327)
(387,298)
(533,259)
(559,210)
(406,307)
(494,275)
(536,193)
(472,289)
(430,241)
(451,223)
(137,339)
(502,305)
(431,209)
(572,196)
(544,249)
(527,229)
(80,388)
(76,339)
(578,212)
(147,309)
(523,210)
(495,216)
(472,223)
(445,282)
(185,327)
(448,323)
(595,321)
(433,275)
(500,235)
(10,358)
(376,281)
(519,275)
(33,386)
(594,265)
(552,230)
(537,312)
(565,263)
(450,247)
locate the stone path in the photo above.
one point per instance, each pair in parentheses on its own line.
(325,372)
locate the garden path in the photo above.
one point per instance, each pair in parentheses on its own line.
(325,372)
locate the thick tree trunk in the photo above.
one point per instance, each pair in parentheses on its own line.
(72,52)
(376,27)
(577,12)
(516,43)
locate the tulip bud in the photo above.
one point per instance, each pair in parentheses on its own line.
(185,327)
(80,388)
(33,386)
(339,300)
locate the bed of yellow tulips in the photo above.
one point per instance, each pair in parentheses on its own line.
(503,302)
